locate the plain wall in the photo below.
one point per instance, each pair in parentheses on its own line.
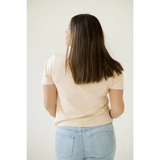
(47,21)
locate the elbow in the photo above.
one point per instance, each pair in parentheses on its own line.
(117,113)
(51,108)
(48,104)
(45,105)
(120,111)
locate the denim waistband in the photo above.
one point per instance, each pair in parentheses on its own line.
(77,129)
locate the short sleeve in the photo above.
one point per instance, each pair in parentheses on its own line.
(117,81)
(48,71)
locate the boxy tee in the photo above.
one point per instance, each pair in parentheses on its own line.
(83,105)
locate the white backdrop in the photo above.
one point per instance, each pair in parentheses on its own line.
(47,21)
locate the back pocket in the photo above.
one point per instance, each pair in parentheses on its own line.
(64,145)
(103,143)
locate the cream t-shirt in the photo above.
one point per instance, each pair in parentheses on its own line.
(81,105)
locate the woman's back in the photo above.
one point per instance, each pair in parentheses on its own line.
(81,105)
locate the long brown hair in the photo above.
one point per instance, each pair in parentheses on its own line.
(89,60)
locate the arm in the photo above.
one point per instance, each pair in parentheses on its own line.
(117,104)
(50,99)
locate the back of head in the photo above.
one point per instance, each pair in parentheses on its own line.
(89,60)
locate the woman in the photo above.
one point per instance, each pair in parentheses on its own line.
(75,87)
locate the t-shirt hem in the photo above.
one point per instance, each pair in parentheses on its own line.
(84,125)
(117,88)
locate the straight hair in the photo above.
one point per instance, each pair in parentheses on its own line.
(89,60)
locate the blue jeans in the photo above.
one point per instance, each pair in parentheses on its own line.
(85,143)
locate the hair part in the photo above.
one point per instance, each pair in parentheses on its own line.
(88,60)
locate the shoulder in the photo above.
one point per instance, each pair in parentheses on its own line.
(54,56)
(116,75)
(59,55)
(117,81)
